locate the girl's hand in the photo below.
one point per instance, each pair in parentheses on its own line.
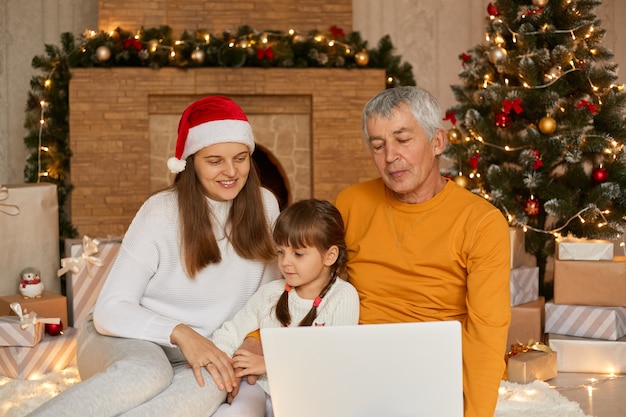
(248,363)
(200,353)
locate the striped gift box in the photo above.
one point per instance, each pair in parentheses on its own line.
(524,285)
(83,287)
(12,334)
(53,353)
(596,322)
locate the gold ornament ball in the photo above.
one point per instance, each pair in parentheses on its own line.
(198,56)
(497,54)
(540,3)
(547,125)
(153,45)
(454,136)
(461,180)
(362,58)
(103,53)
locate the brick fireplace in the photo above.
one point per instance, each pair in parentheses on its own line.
(123,128)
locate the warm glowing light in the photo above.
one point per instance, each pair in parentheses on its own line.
(47,83)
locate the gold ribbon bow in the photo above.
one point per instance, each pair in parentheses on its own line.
(531,345)
(90,247)
(9,209)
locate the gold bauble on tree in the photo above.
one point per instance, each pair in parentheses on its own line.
(198,55)
(362,58)
(103,53)
(461,180)
(547,125)
(454,136)
(540,3)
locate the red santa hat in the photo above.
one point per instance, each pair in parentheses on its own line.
(210,120)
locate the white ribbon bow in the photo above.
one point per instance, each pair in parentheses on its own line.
(30,318)
(90,247)
(9,209)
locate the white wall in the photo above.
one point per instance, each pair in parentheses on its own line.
(25,27)
(429,34)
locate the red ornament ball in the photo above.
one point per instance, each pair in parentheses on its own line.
(531,207)
(599,175)
(502,119)
(54,329)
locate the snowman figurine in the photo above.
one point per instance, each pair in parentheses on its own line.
(30,283)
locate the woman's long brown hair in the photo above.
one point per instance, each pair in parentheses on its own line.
(250,233)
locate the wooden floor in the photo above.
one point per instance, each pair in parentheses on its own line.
(599,395)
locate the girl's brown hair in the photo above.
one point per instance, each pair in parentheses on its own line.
(249,229)
(311,223)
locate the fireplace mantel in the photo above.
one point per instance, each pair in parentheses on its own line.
(113,167)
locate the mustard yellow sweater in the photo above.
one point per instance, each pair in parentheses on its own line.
(445,259)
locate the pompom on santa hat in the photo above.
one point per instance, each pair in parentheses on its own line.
(210,120)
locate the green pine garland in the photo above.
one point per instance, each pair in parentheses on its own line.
(157,48)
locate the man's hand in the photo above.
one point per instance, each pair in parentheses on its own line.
(200,353)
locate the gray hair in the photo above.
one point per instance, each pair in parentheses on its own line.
(423,105)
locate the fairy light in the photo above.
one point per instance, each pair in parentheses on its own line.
(43,104)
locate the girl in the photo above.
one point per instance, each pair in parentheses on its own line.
(312,292)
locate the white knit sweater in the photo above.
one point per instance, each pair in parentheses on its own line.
(340,307)
(148,293)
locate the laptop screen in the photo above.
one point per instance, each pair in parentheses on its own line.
(374,370)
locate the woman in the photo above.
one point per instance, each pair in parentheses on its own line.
(191,258)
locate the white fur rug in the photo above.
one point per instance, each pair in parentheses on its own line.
(537,399)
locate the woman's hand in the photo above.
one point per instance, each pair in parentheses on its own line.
(200,353)
(248,363)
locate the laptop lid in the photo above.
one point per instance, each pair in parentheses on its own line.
(374,370)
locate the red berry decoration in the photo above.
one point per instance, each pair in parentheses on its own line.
(54,329)
(531,207)
(599,175)
(502,119)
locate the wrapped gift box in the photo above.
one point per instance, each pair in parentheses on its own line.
(573,249)
(50,305)
(579,354)
(29,215)
(518,249)
(53,353)
(93,259)
(524,284)
(527,322)
(608,323)
(594,283)
(526,367)
(13,334)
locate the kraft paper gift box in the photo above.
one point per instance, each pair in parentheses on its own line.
(526,367)
(574,249)
(49,305)
(87,268)
(524,284)
(594,283)
(29,220)
(518,249)
(527,322)
(585,355)
(53,353)
(608,323)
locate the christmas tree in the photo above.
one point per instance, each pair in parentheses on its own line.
(538,128)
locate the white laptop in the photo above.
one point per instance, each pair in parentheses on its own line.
(374,370)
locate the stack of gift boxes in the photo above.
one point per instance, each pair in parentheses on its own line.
(528,357)
(38,332)
(586,320)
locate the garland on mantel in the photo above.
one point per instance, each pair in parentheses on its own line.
(47,112)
